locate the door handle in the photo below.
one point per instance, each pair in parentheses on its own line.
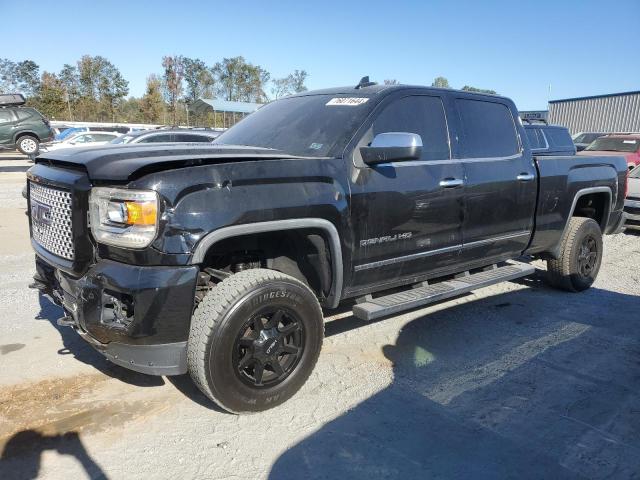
(451,183)
(525,177)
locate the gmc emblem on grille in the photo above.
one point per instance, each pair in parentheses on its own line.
(40,213)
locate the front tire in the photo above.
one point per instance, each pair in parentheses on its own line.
(28,145)
(254,340)
(580,257)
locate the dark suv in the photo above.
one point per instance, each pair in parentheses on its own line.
(21,127)
(549,139)
(164,135)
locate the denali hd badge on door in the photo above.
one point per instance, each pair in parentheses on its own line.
(385,239)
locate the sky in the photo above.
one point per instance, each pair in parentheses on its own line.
(531,51)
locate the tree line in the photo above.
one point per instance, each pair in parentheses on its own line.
(93,89)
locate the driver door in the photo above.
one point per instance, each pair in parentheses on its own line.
(406,215)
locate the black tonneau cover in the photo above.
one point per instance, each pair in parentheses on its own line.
(124,162)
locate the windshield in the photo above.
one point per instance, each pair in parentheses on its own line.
(635,173)
(122,139)
(613,144)
(313,125)
(586,137)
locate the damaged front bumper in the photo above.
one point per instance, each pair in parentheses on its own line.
(137,317)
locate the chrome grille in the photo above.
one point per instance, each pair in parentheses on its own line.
(51,224)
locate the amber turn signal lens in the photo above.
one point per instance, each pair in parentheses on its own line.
(141,213)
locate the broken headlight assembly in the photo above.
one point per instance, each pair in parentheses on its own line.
(122,217)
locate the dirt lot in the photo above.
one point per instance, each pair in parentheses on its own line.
(515,381)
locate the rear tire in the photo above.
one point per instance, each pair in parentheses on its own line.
(580,257)
(254,340)
(28,145)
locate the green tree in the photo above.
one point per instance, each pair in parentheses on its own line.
(101,87)
(298,77)
(293,83)
(468,88)
(152,105)
(20,77)
(173,75)
(130,111)
(8,79)
(112,88)
(28,74)
(198,79)
(50,96)
(68,77)
(440,82)
(239,80)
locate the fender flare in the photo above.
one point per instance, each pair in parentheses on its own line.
(22,133)
(279,225)
(580,193)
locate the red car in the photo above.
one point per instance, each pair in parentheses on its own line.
(626,145)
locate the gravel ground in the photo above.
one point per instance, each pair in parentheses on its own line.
(514,381)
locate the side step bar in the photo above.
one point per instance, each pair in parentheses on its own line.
(378,307)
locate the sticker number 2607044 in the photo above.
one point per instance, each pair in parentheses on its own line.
(347,101)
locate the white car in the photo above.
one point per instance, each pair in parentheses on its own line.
(82,139)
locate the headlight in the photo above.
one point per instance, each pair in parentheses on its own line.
(124,218)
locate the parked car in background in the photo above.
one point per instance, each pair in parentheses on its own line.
(549,139)
(625,144)
(165,135)
(583,139)
(22,127)
(632,203)
(67,132)
(84,139)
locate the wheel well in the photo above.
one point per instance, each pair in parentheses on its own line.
(593,205)
(305,254)
(26,134)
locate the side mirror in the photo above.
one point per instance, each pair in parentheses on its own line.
(392,146)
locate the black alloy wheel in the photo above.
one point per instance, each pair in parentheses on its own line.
(268,347)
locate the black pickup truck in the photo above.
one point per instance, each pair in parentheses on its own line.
(219,260)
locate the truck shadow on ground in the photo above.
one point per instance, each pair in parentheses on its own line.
(27,447)
(533,383)
(74,345)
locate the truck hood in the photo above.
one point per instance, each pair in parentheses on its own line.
(120,163)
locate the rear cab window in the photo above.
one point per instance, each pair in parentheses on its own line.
(559,137)
(536,138)
(488,129)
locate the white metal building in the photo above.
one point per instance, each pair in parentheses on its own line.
(616,112)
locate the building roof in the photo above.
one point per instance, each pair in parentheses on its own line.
(637,92)
(225,105)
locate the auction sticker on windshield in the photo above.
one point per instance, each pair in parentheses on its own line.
(348,101)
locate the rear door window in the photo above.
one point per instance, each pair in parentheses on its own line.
(103,137)
(488,129)
(192,137)
(161,138)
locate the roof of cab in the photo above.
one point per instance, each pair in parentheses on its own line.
(375,90)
